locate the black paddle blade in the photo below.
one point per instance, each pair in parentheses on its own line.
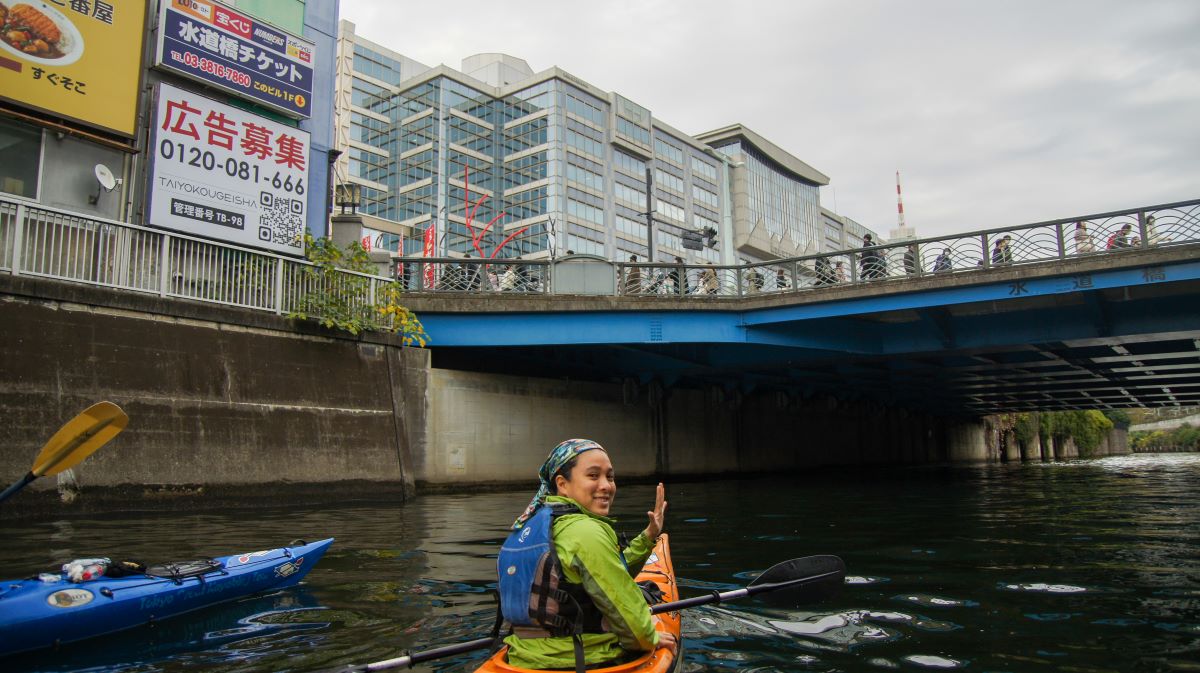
(800,581)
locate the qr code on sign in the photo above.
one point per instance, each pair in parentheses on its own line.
(282,220)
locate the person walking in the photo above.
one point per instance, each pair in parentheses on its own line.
(871,264)
(708,280)
(1121,238)
(633,277)
(1083,240)
(678,277)
(781,280)
(912,260)
(1001,252)
(823,271)
(943,262)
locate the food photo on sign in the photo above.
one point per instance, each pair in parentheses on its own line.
(78,60)
(39,33)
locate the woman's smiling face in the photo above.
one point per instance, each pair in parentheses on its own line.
(590,483)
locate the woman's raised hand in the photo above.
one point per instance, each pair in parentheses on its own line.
(656,515)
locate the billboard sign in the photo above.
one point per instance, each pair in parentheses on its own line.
(79,60)
(222,47)
(228,174)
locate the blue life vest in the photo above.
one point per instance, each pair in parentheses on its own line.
(535,597)
(533,591)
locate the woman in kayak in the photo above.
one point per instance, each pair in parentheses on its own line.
(577,483)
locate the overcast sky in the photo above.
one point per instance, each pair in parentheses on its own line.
(995,113)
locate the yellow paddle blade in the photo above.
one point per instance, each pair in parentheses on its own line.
(79,438)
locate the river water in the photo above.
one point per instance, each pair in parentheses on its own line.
(1078,566)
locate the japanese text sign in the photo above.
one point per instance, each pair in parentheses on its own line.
(217,45)
(227,174)
(79,59)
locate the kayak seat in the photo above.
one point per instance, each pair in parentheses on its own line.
(181,570)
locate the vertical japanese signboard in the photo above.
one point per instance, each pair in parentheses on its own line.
(79,59)
(227,174)
(219,46)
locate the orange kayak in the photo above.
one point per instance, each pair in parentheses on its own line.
(658,569)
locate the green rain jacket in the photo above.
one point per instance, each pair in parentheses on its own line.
(588,551)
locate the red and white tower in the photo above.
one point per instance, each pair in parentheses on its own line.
(902,230)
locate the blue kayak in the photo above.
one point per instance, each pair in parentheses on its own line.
(51,610)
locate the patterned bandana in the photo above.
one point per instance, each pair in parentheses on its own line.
(561,455)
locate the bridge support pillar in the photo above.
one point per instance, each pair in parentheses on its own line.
(966,441)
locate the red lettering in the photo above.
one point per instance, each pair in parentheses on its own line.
(179,110)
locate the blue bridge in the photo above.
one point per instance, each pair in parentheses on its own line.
(1051,321)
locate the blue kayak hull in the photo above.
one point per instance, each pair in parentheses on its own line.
(36,614)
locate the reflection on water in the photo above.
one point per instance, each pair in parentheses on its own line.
(1081,566)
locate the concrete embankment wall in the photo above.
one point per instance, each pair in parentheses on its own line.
(234,405)
(489,428)
(230,407)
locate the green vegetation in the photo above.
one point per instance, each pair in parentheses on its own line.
(1183,438)
(1087,428)
(1119,417)
(344,300)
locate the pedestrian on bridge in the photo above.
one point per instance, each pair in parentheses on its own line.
(912,260)
(1002,253)
(708,280)
(1083,240)
(1121,238)
(824,272)
(943,263)
(871,262)
(633,277)
(781,280)
(678,277)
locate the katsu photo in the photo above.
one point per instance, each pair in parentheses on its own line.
(37,32)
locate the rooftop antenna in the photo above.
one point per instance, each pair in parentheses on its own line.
(899,203)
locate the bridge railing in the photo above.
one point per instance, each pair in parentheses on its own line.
(1104,233)
(40,241)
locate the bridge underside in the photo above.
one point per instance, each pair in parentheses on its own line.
(1105,339)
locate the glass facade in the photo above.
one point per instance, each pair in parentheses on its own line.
(556,165)
(777,201)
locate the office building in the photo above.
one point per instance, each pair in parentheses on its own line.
(553,163)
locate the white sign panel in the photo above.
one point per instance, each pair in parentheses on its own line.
(228,174)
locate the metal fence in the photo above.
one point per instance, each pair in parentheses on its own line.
(1106,233)
(44,242)
(40,241)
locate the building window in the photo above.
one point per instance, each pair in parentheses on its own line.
(669,211)
(585,212)
(21,146)
(585,110)
(629,164)
(631,227)
(585,144)
(703,169)
(582,176)
(704,196)
(667,181)
(630,195)
(668,151)
(584,246)
(633,131)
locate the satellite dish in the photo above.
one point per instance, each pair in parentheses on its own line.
(105,177)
